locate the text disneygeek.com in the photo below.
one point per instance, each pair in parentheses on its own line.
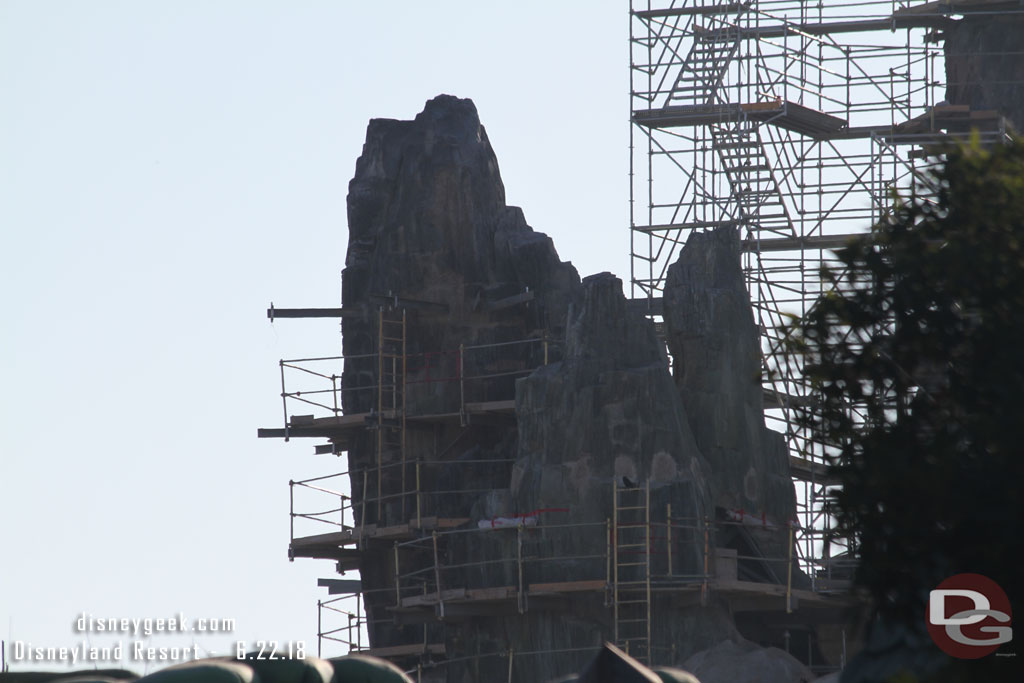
(86,623)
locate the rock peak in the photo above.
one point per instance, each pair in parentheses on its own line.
(450,111)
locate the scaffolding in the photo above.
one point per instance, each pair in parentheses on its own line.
(632,558)
(396,487)
(630,562)
(791,121)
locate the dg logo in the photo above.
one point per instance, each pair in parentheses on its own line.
(969,616)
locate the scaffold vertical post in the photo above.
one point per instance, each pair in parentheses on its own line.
(437,578)
(380,413)
(398,576)
(334,392)
(401,436)
(615,561)
(511,656)
(608,561)
(647,569)
(284,402)
(359,630)
(707,567)
(789,574)
(291,515)
(462,385)
(419,521)
(668,536)
(319,626)
(362,516)
(519,566)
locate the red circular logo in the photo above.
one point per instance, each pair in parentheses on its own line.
(968,616)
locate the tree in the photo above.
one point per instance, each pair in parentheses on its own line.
(917,353)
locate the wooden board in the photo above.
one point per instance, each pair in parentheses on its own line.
(334,538)
(568,586)
(405,650)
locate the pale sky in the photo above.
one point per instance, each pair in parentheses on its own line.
(171,167)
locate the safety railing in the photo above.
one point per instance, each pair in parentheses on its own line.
(424,566)
(325,503)
(674,543)
(315,384)
(342,620)
(504,559)
(517,568)
(330,507)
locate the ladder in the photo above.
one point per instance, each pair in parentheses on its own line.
(755,192)
(390,425)
(705,67)
(631,585)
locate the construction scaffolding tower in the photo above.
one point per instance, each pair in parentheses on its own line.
(791,121)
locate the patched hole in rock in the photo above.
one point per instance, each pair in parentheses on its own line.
(663,467)
(625,466)
(579,473)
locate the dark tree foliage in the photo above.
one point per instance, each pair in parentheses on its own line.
(918,355)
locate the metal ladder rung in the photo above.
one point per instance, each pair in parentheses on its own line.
(751,168)
(737,145)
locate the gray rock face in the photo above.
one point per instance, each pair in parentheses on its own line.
(716,349)
(610,410)
(984,67)
(607,410)
(429,227)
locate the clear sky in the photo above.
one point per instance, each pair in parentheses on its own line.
(171,167)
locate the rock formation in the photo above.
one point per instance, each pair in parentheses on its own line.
(984,65)
(596,410)
(714,341)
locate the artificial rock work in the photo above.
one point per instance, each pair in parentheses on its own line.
(984,65)
(712,336)
(585,402)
